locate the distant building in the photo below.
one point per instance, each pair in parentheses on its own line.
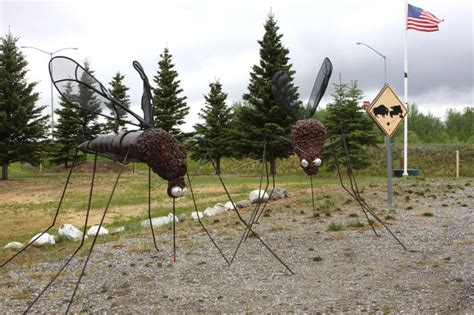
(366,105)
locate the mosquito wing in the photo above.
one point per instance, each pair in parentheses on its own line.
(147,100)
(83,91)
(281,92)
(319,87)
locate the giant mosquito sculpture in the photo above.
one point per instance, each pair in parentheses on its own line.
(307,138)
(163,154)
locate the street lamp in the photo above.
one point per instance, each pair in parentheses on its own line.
(384,59)
(387,138)
(50,57)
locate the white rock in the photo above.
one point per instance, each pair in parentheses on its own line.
(71,232)
(228,205)
(182,217)
(209,212)
(93,231)
(45,239)
(197,215)
(120,229)
(170,218)
(243,204)
(220,208)
(258,195)
(14,245)
(157,222)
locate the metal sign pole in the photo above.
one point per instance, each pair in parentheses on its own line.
(388,144)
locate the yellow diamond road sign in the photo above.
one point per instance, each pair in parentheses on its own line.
(387,110)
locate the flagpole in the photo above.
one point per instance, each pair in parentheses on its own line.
(405,125)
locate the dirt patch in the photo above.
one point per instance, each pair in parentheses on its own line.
(350,270)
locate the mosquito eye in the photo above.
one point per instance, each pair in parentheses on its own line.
(304,163)
(317,162)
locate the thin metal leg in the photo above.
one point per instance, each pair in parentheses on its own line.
(97,233)
(174,229)
(201,223)
(245,223)
(356,194)
(55,216)
(149,209)
(312,195)
(80,245)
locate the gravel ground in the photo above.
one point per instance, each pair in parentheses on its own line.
(344,271)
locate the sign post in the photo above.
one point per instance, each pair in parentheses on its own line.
(388,112)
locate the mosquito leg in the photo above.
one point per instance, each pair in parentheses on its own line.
(253,216)
(174,229)
(247,225)
(355,197)
(55,216)
(97,233)
(312,195)
(201,223)
(80,245)
(149,209)
(257,205)
(356,192)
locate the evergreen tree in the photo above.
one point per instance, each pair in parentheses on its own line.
(119,92)
(22,125)
(90,108)
(460,125)
(214,132)
(260,115)
(67,130)
(345,112)
(170,108)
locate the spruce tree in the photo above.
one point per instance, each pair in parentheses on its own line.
(346,113)
(90,107)
(67,130)
(170,109)
(260,115)
(214,132)
(119,92)
(22,125)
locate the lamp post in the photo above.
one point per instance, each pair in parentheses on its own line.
(383,56)
(50,57)
(387,138)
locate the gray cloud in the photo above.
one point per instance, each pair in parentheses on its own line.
(218,39)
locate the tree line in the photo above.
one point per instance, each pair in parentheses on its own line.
(237,130)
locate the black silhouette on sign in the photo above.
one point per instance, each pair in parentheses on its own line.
(381,110)
(396,110)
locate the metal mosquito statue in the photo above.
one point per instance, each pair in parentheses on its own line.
(162,152)
(308,137)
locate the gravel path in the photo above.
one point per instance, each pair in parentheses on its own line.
(341,271)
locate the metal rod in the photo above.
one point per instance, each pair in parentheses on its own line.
(174,230)
(200,222)
(55,216)
(80,245)
(245,223)
(149,209)
(97,233)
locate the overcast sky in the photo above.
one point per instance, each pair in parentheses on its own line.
(218,40)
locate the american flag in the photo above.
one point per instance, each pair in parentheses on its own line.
(421,20)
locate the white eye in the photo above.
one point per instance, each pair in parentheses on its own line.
(304,163)
(317,162)
(177,191)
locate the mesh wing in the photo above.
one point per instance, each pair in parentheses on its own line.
(281,92)
(147,100)
(80,89)
(319,87)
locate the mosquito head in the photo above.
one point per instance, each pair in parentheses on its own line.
(166,156)
(307,137)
